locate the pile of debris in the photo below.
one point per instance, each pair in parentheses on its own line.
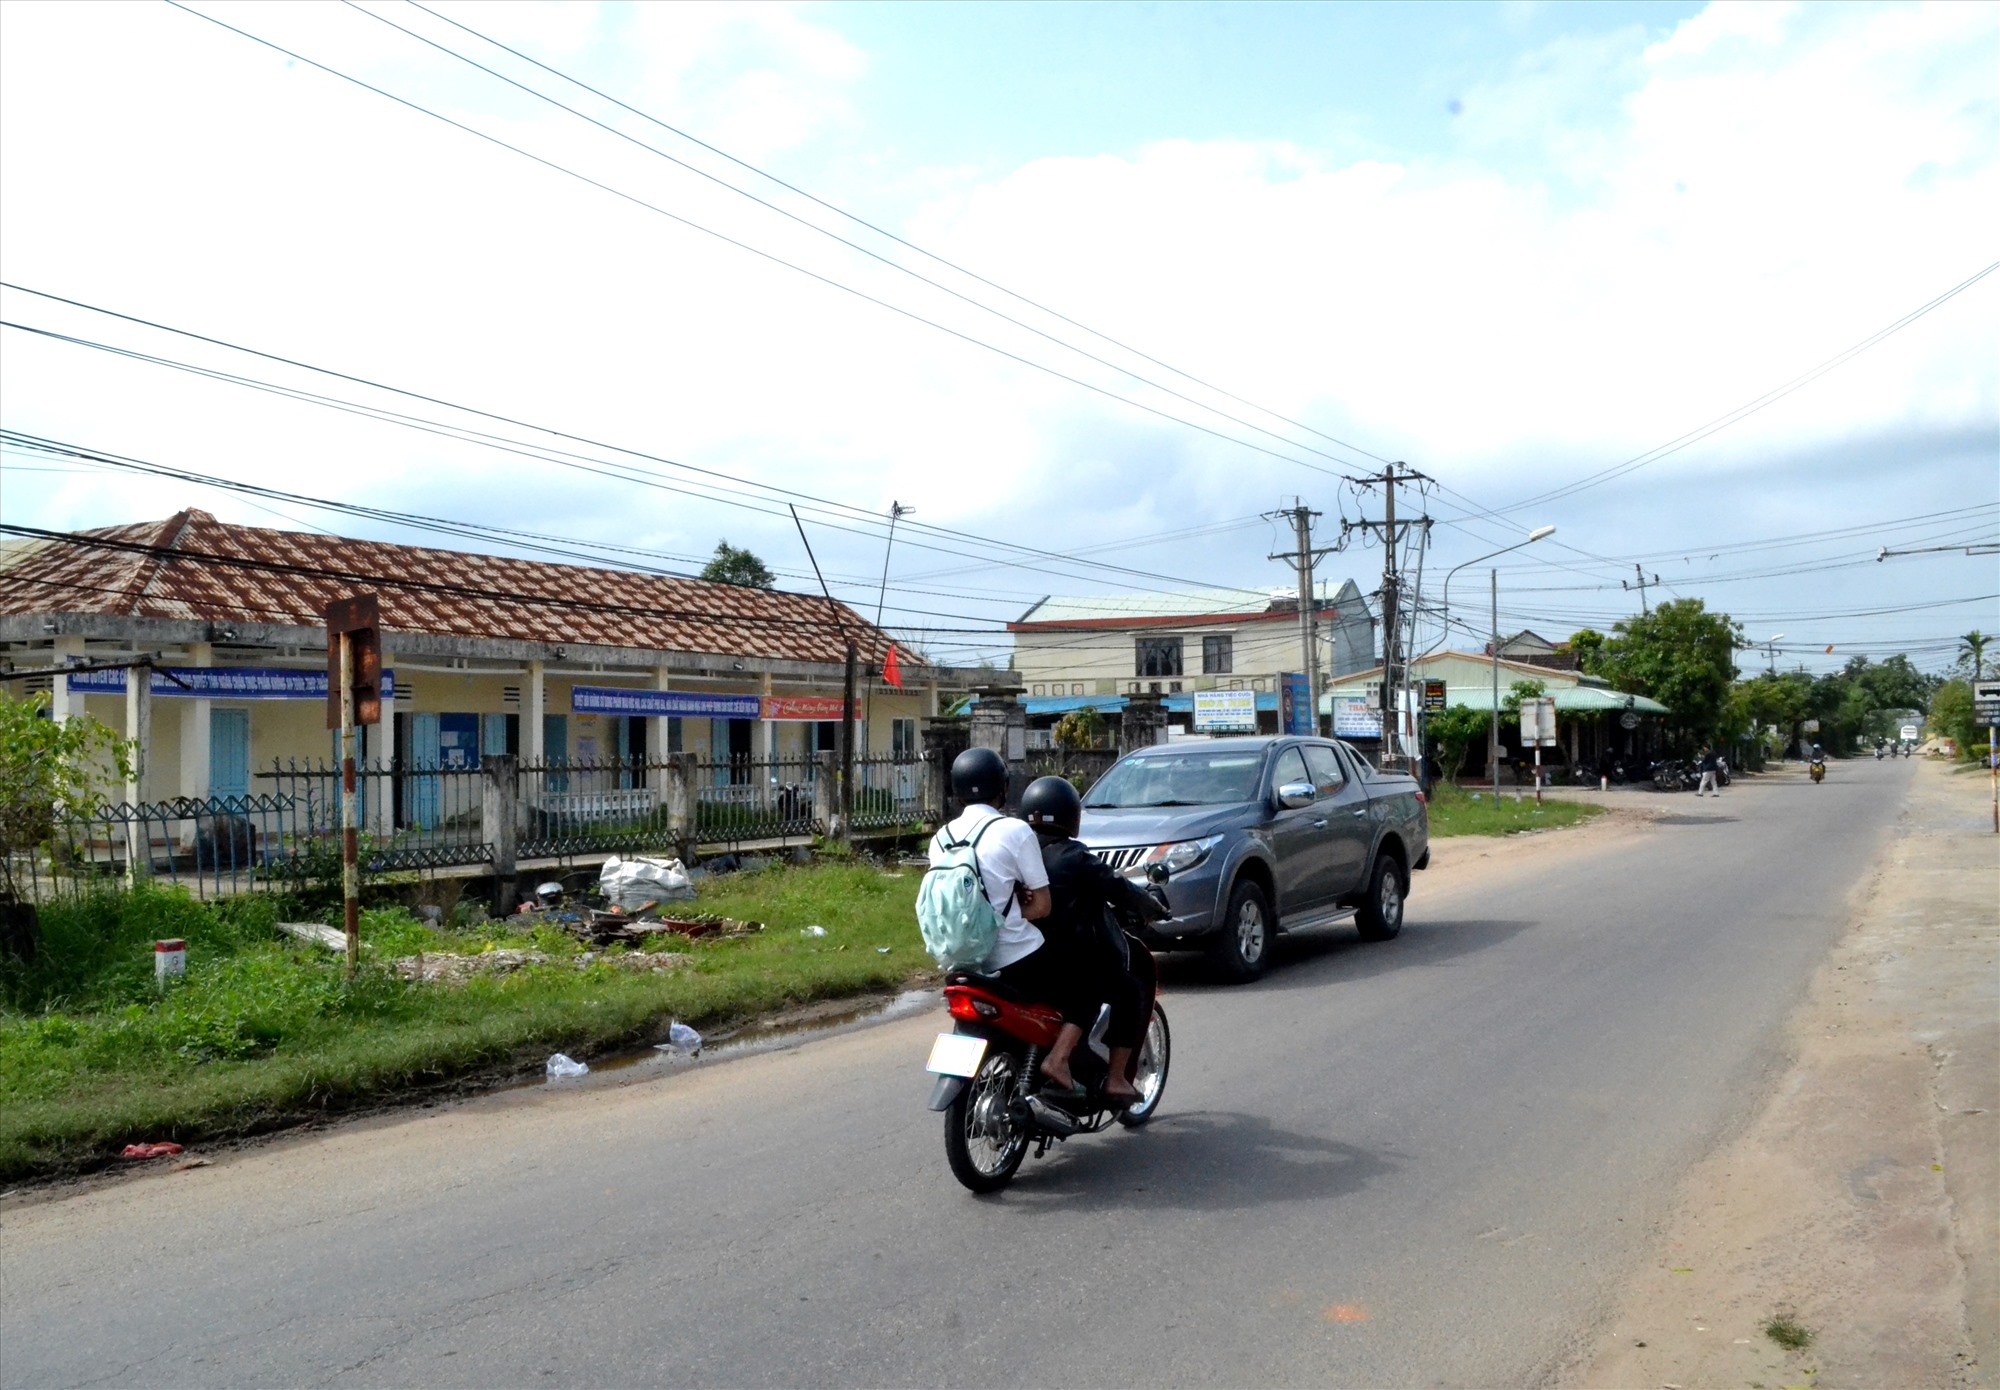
(450,968)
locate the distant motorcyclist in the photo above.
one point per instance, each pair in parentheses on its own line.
(1086,893)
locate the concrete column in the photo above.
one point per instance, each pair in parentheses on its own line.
(656,740)
(770,745)
(65,704)
(381,816)
(195,724)
(138,731)
(678,802)
(534,704)
(931,701)
(499,824)
(1000,722)
(826,789)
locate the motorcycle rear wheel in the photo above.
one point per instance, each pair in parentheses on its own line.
(1155,1052)
(982,1141)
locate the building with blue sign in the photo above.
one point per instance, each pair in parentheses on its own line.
(482,654)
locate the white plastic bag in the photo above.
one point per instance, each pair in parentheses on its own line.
(632,883)
(562,1066)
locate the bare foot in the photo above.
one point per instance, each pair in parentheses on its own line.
(1120,1095)
(1058,1074)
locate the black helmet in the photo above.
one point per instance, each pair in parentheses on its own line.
(1052,807)
(978,775)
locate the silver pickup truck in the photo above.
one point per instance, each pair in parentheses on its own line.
(1260,835)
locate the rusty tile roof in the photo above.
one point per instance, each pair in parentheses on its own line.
(193,567)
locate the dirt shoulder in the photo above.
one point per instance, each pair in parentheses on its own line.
(1860,1203)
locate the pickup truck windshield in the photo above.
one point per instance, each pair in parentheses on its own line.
(1193,778)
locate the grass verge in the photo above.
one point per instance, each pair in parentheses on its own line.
(265,1032)
(1455,811)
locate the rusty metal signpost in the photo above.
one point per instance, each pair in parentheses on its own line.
(353,698)
(1986,707)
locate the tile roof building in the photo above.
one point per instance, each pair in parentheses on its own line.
(489,653)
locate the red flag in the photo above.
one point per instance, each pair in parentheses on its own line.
(1829,649)
(890,671)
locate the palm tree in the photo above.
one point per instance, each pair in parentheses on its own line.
(1973,644)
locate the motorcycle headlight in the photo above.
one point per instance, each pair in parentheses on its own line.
(1183,854)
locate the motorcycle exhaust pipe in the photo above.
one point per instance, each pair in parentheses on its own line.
(1049,1119)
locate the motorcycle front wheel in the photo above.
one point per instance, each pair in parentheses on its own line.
(982,1140)
(1150,1073)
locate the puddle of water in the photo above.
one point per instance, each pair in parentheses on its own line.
(761,1035)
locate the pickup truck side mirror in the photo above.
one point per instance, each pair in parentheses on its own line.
(1292,795)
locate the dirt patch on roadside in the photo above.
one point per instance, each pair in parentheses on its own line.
(1860,1204)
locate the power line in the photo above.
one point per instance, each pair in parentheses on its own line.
(629,473)
(637,201)
(823,231)
(880,231)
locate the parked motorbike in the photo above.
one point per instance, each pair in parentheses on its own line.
(1818,770)
(989,1082)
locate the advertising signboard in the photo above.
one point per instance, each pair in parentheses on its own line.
(1986,702)
(1225,711)
(1356,716)
(1538,722)
(221,683)
(1295,713)
(1433,696)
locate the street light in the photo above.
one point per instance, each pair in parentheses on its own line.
(1770,646)
(1493,742)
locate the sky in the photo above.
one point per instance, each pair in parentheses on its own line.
(1623,269)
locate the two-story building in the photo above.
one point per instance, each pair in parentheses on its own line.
(1075,652)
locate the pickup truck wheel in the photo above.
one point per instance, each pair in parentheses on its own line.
(1380,913)
(1243,949)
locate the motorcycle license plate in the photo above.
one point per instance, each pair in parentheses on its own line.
(956,1054)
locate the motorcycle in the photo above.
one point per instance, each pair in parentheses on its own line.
(1880,752)
(988,1079)
(1818,770)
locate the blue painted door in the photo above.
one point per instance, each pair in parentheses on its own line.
(421,793)
(229,752)
(458,740)
(492,735)
(555,750)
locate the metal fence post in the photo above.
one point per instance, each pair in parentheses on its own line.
(500,824)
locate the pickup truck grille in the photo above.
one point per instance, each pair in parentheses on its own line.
(1122,859)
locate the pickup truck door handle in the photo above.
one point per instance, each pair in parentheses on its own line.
(1359,811)
(1320,824)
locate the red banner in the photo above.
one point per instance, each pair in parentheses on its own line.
(816,707)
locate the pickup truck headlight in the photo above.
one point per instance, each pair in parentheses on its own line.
(1183,854)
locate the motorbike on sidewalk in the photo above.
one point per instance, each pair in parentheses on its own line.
(989,1082)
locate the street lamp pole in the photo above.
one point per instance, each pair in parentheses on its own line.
(1493,738)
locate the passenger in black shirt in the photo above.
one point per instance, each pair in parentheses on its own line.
(1085,893)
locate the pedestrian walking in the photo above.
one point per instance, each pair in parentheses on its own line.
(1710,765)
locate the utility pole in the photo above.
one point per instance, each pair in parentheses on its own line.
(1641,584)
(1302,559)
(1391,476)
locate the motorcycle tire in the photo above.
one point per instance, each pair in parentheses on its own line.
(1243,947)
(1156,1051)
(983,1142)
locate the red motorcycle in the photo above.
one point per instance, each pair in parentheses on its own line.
(988,1078)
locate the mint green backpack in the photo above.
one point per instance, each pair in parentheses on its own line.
(959,925)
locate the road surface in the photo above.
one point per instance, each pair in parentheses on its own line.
(1430,1161)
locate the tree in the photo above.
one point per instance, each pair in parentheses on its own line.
(1972,647)
(1080,728)
(734,566)
(1681,655)
(1452,732)
(1588,644)
(46,766)
(1952,715)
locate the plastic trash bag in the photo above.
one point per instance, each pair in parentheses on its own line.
(561,1067)
(632,883)
(683,1037)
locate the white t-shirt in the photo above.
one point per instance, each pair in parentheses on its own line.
(1010,858)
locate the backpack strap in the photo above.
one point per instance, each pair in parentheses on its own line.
(980,874)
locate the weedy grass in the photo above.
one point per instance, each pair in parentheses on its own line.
(265,1031)
(1455,811)
(1792,1336)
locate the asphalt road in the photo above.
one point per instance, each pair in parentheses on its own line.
(1430,1161)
